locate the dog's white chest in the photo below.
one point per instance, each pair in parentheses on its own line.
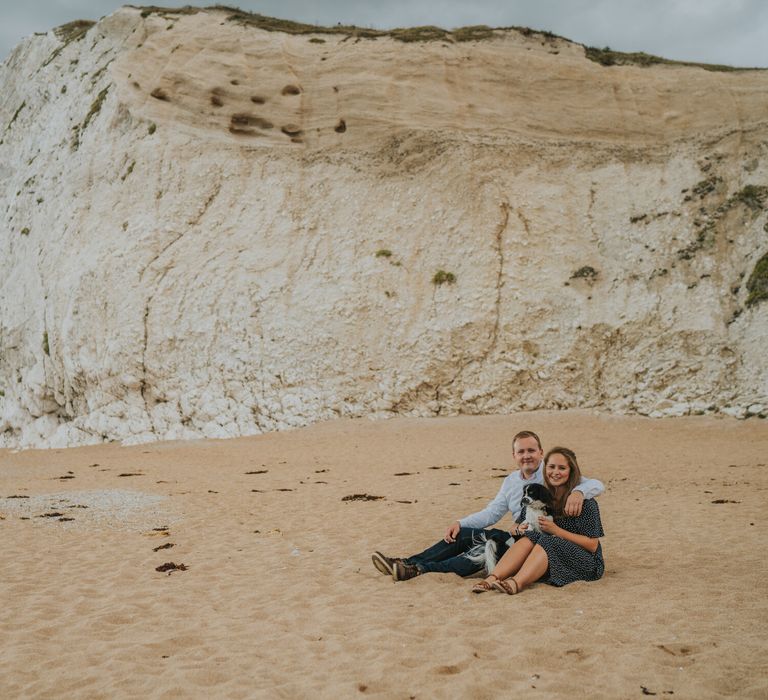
(532,515)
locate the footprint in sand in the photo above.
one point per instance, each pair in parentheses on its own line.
(447,670)
(576,653)
(677,649)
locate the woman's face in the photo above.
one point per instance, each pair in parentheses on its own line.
(557,470)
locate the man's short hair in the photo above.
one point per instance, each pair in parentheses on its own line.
(526,434)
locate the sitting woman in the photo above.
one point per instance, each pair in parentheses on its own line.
(566,550)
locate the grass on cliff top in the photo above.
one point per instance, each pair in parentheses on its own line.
(605,56)
(405,34)
(72,31)
(67,33)
(609,57)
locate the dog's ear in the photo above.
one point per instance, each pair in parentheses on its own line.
(544,495)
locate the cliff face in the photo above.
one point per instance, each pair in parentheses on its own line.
(213,230)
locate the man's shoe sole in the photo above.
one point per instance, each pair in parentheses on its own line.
(380,562)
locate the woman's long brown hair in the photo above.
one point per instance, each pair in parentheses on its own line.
(574,477)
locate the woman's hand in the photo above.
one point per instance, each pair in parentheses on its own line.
(588,543)
(548,526)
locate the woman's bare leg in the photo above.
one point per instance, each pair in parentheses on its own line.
(513,559)
(533,568)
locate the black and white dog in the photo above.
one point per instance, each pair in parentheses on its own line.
(537,502)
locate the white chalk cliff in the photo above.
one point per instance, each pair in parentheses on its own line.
(212,230)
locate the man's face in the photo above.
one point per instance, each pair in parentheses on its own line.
(527,455)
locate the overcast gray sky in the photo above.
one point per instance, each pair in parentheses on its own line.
(733,32)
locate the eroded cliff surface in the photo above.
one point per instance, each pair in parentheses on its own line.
(209,229)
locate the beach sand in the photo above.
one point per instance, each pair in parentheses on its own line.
(279,598)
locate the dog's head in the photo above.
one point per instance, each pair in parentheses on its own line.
(537,496)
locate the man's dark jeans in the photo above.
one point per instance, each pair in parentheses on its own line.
(445,557)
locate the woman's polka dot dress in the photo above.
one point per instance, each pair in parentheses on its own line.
(568,562)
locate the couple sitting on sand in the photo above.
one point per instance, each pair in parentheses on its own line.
(565,550)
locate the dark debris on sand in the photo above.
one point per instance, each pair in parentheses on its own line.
(171,566)
(362,497)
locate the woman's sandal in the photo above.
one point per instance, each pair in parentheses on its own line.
(509,586)
(484,585)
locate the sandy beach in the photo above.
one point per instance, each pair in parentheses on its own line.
(278,597)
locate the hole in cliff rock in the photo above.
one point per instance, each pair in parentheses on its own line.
(242,119)
(291,90)
(160,94)
(341,127)
(216,101)
(234,82)
(291,130)
(258,99)
(136,85)
(297,139)
(242,131)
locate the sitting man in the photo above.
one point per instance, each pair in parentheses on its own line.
(450,554)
